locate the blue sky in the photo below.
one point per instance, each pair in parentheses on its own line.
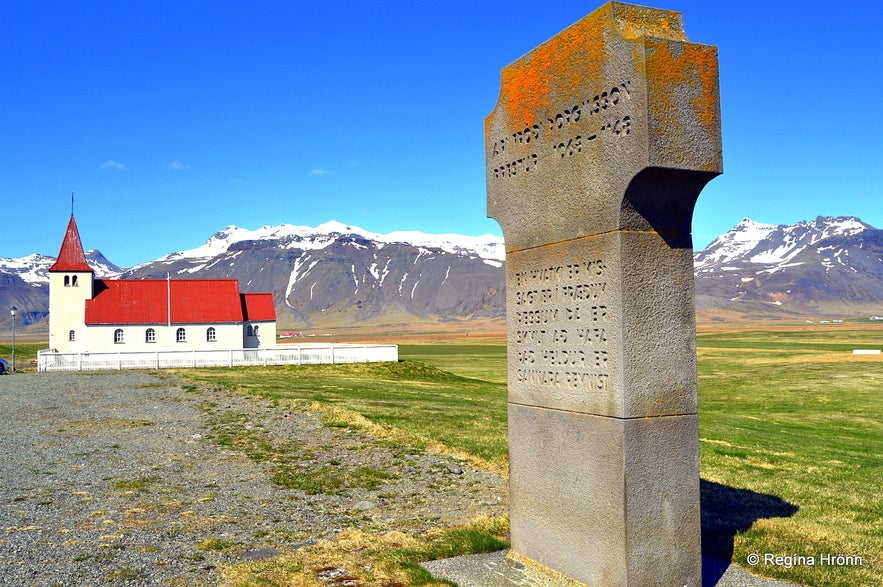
(173,119)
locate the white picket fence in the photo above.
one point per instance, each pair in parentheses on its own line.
(281,355)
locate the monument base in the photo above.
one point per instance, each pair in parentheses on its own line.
(606,501)
(536,574)
(492,570)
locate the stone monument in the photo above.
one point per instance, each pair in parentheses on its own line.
(597,149)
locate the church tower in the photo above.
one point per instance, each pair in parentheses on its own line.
(70,285)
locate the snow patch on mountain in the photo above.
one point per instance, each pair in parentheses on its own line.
(774,246)
(34,269)
(308,238)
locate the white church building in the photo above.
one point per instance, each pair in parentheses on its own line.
(131,315)
(155,323)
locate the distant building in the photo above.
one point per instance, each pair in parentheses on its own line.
(128,315)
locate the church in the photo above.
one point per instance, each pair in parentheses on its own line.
(89,315)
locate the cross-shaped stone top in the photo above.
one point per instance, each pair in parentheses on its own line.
(614,124)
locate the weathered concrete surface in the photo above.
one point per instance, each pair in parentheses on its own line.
(599,145)
(600,325)
(491,570)
(612,495)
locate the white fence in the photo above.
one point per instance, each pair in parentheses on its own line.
(281,355)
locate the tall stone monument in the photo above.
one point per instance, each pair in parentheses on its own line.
(597,149)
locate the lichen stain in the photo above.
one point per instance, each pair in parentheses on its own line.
(554,72)
(639,21)
(695,64)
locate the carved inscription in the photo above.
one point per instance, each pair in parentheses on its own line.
(561,315)
(564,134)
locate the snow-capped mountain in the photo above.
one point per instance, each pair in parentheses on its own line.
(288,236)
(337,274)
(24,283)
(34,269)
(829,265)
(773,245)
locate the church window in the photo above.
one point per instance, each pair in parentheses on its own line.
(67,281)
(181,335)
(250,330)
(72,336)
(118,336)
(211,335)
(150,335)
(74,281)
(256,330)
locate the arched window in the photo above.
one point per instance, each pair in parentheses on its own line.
(250,330)
(74,281)
(211,335)
(67,281)
(150,335)
(118,336)
(256,330)
(72,336)
(181,335)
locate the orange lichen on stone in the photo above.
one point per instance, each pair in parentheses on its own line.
(639,21)
(553,72)
(694,65)
(525,88)
(707,104)
(557,70)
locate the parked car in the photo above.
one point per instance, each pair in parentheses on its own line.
(4,366)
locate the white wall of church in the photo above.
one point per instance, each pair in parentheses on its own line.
(259,335)
(112,338)
(68,292)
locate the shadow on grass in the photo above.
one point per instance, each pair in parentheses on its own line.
(726,511)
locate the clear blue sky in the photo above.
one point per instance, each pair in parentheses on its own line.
(173,119)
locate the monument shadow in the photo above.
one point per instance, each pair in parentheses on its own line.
(726,511)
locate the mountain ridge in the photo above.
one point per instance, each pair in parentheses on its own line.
(338,274)
(830,265)
(293,236)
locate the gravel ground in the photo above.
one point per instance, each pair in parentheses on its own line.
(132,478)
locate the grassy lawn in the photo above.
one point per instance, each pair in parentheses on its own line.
(478,361)
(796,416)
(25,354)
(790,433)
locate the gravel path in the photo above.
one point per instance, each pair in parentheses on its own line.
(135,479)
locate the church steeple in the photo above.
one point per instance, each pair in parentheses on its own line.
(71,257)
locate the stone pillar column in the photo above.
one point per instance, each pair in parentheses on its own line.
(599,145)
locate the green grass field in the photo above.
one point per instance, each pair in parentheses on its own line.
(25,354)
(795,416)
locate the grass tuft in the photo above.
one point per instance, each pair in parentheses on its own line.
(387,560)
(216,544)
(139,484)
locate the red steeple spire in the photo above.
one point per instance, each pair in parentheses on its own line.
(71,256)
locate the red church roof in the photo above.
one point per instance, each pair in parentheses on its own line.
(71,257)
(193,301)
(258,306)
